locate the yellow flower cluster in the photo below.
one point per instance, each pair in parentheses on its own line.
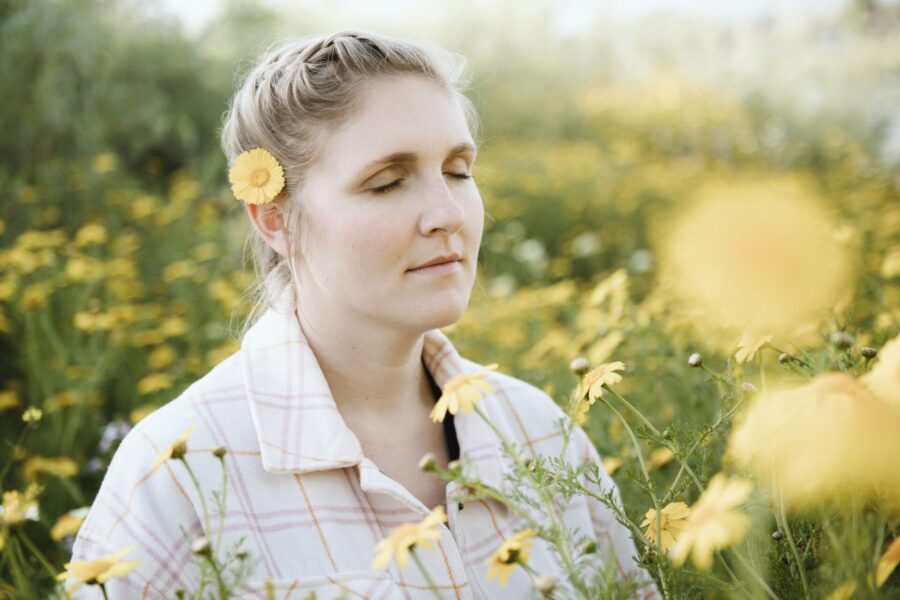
(462,392)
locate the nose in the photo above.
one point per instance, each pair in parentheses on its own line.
(442,211)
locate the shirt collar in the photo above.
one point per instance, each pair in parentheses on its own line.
(296,419)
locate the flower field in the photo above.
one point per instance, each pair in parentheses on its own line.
(694,248)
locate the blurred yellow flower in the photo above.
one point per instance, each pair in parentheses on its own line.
(32,415)
(673,520)
(593,382)
(34,297)
(462,392)
(105,162)
(660,458)
(69,523)
(9,399)
(143,207)
(205,252)
(714,521)
(60,466)
(758,253)
(516,550)
(140,412)
(20,506)
(155,382)
(825,442)
(219,354)
(175,450)
(101,570)
(890,267)
(90,234)
(842,592)
(404,538)
(884,378)
(83,268)
(611,464)
(749,345)
(256,177)
(161,357)
(888,562)
(178,270)
(173,327)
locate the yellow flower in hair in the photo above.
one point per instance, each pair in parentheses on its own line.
(256,177)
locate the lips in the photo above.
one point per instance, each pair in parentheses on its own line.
(439,260)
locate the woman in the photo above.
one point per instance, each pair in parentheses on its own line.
(364,249)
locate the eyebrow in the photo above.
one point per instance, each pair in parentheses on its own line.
(411,157)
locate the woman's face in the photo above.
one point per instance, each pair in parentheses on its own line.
(391,192)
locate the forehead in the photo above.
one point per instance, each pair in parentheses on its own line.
(405,113)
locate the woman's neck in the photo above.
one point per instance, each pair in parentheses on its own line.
(369,370)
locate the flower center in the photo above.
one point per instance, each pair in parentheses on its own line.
(259,177)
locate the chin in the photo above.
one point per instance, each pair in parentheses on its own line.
(435,315)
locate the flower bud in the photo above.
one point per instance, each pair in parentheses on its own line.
(748,387)
(454,466)
(841,339)
(868,352)
(545,585)
(428,462)
(784,357)
(220,452)
(695,360)
(200,547)
(590,547)
(580,366)
(777,535)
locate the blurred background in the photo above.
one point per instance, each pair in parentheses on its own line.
(607,127)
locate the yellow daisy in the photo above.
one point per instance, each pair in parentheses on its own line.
(749,345)
(714,521)
(462,393)
(888,563)
(515,550)
(99,571)
(673,520)
(175,450)
(402,539)
(69,523)
(605,374)
(256,177)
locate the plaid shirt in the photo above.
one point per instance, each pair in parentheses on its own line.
(308,506)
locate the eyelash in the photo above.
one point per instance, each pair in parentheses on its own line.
(394,184)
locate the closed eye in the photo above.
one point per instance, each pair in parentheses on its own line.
(387,187)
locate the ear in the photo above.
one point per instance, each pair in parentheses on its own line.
(268,220)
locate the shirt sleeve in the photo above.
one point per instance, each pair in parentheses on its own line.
(610,534)
(150,512)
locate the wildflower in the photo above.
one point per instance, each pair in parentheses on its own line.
(69,523)
(34,297)
(105,162)
(695,360)
(888,563)
(176,450)
(841,339)
(673,520)
(515,550)
(404,538)
(462,392)
(759,252)
(749,345)
(428,462)
(605,374)
(611,464)
(60,466)
(140,412)
(545,584)
(17,507)
(713,523)
(200,546)
(9,399)
(90,234)
(826,441)
(884,378)
(32,415)
(98,571)
(256,177)
(842,592)
(155,382)
(579,365)
(660,458)
(161,357)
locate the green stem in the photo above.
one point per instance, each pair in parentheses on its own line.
(103,589)
(431,584)
(224,594)
(36,552)
(790,538)
(640,456)
(564,549)
(199,493)
(759,580)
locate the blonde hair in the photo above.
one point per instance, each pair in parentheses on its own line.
(298,90)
